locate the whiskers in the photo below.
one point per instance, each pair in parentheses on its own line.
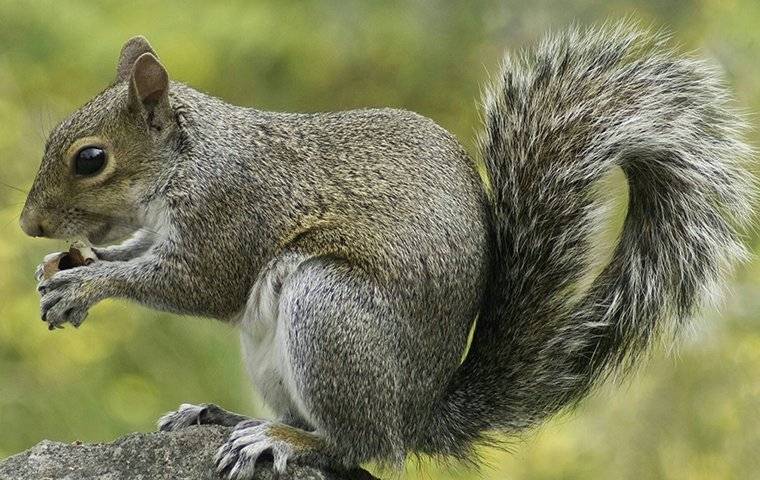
(16,217)
(17,189)
(45,122)
(13,205)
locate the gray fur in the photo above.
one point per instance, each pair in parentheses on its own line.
(557,120)
(205,414)
(364,243)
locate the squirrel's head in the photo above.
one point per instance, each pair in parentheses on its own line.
(101,161)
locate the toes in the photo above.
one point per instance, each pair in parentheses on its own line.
(245,464)
(39,272)
(225,458)
(186,415)
(45,286)
(61,305)
(76,316)
(242,430)
(57,314)
(49,301)
(55,282)
(42,288)
(236,459)
(248,423)
(247,446)
(252,428)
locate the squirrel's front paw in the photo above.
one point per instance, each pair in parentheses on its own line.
(65,297)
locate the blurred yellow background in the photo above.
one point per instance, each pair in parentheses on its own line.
(693,415)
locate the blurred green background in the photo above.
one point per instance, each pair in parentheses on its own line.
(693,415)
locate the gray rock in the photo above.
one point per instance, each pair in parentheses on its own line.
(185,454)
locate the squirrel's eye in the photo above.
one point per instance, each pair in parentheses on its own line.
(89,161)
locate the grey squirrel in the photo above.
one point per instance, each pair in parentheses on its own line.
(356,249)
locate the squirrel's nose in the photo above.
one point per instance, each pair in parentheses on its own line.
(31,225)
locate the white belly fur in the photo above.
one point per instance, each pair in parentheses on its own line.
(264,340)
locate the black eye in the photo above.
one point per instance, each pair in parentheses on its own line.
(89,161)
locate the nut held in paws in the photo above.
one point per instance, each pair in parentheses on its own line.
(79,255)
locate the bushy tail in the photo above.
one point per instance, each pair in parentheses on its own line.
(556,121)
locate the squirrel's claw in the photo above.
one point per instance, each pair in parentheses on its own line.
(253,440)
(186,415)
(62,301)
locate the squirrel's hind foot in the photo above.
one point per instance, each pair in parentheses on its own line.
(203,414)
(254,441)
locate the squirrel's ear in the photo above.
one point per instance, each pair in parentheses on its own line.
(130,52)
(149,88)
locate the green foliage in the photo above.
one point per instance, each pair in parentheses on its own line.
(690,417)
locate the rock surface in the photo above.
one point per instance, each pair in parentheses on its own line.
(186,454)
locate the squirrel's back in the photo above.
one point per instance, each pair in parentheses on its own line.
(393,183)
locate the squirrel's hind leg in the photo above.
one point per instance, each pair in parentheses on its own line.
(320,340)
